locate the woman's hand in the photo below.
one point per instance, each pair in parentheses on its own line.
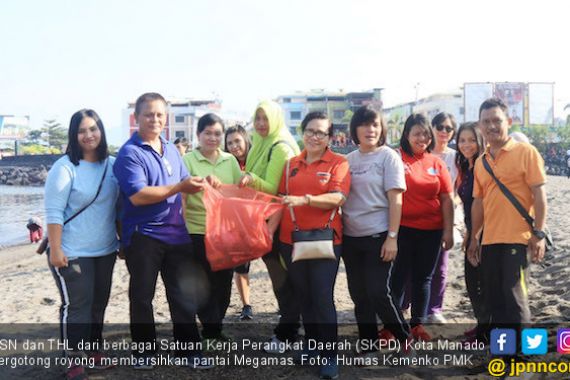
(214,181)
(294,201)
(245,180)
(447,240)
(57,258)
(389,250)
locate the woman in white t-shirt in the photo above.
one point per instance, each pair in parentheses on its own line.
(444,127)
(371,217)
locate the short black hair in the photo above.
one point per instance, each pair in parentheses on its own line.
(316,115)
(422,121)
(237,129)
(147,97)
(492,103)
(181,140)
(73,150)
(367,115)
(208,120)
(441,117)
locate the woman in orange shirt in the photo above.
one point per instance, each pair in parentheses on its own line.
(315,184)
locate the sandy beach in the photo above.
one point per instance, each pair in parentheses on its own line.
(29,295)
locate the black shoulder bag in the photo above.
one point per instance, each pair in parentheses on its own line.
(515,202)
(45,241)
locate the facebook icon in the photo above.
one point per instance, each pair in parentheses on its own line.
(503,342)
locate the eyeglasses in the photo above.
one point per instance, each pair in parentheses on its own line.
(441,128)
(319,134)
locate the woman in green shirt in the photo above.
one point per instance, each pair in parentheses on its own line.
(209,161)
(272,146)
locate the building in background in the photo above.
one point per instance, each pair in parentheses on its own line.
(338,105)
(182,118)
(430,106)
(13,129)
(529,103)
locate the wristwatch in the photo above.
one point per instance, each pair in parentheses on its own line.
(392,234)
(539,234)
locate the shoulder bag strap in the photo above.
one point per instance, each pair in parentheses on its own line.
(93,200)
(508,194)
(275,144)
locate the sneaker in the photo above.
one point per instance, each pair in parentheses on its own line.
(436,319)
(100,361)
(329,370)
(385,336)
(246,313)
(76,372)
(143,363)
(198,361)
(419,333)
(275,346)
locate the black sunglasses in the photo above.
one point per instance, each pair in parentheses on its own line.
(441,128)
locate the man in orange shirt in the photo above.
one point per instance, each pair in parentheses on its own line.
(506,235)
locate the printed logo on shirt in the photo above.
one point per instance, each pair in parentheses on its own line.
(432,171)
(294,172)
(324,177)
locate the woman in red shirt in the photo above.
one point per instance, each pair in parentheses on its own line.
(427,218)
(237,143)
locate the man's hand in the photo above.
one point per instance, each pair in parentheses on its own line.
(474,253)
(537,248)
(192,185)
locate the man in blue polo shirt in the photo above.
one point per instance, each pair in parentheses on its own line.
(151,176)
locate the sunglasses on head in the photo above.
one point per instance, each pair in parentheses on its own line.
(441,128)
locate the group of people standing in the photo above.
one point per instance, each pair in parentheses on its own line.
(392,213)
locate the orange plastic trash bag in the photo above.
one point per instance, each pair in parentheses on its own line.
(236,231)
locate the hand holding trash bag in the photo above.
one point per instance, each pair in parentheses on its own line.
(236,227)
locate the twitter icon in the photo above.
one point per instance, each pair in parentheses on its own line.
(534,341)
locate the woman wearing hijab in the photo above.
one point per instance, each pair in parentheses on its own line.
(272,146)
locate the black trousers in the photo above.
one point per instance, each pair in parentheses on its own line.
(504,269)
(314,285)
(84,286)
(212,312)
(418,252)
(369,285)
(289,305)
(182,277)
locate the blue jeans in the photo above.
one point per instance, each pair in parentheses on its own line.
(313,281)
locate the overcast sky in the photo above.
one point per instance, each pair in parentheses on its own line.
(59,56)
